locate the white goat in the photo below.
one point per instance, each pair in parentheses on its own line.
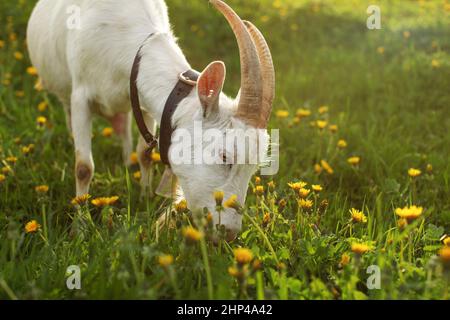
(88,69)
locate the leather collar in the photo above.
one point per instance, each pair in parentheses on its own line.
(186,83)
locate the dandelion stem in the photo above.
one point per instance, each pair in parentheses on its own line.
(263,235)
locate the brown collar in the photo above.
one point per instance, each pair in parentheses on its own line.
(186,83)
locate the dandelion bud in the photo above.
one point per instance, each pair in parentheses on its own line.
(218,196)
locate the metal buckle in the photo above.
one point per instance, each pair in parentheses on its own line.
(186,80)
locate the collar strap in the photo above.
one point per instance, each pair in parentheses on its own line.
(186,83)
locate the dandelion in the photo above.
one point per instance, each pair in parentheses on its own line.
(435,63)
(303,193)
(28,149)
(107,132)
(264,19)
(402,223)
(218,196)
(318,168)
(134,158)
(324,109)
(104,201)
(429,168)
(38,85)
(192,235)
(42,106)
(271,186)
(358,216)
(32,226)
(137,175)
(41,189)
(406,34)
(11,159)
(317,188)
(414,173)
(446,240)
(2,178)
(321,124)
(282,203)
(305,204)
(296,186)
(342,144)
(232,203)
(409,213)
(243,256)
(6,170)
(303,113)
(80,200)
(259,190)
(165,260)
(282,114)
(20,94)
(266,219)
(326,166)
(18,55)
(235,272)
(156,157)
(381,50)
(360,248)
(354,161)
(345,260)
(2,44)
(41,121)
(257,181)
(181,206)
(333,128)
(444,253)
(32,71)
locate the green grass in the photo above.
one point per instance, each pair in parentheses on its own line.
(391,108)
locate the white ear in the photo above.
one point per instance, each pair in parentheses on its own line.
(210,86)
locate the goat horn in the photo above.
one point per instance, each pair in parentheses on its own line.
(268,71)
(250,102)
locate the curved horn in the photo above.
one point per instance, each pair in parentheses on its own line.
(268,71)
(249,108)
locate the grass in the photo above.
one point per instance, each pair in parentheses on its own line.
(387,91)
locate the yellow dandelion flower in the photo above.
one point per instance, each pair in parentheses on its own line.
(446,241)
(266,218)
(409,213)
(296,186)
(360,248)
(317,187)
(218,196)
(41,121)
(104,201)
(406,34)
(134,158)
(2,178)
(429,168)
(107,132)
(342,144)
(6,170)
(137,175)
(32,71)
(381,50)
(326,166)
(181,206)
(243,256)
(271,185)
(2,44)
(18,55)
(192,235)
(318,168)
(303,192)
(257,181)
(165,260)
(333,128)
(345,260)
(38,86)
(27,149)
(402,223)
(323,109)
(32,226)
(264,19)
(282,114)
(156,157)
(232,203)
(42,189)
(435,63)
(321,124)
(80,200)
(234,272)
(354,161)
(259,190)
(414,173)
(305,204)
(444,253)
(11,159)
(303,113)
(358,216)
(42,106)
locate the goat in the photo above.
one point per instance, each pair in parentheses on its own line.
(88,69)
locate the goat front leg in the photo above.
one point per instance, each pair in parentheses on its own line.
(145,161)
(81,119)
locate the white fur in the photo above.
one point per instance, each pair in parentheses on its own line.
(89,70)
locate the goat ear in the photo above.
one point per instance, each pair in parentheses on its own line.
(210,86)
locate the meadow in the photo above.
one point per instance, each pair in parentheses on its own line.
(364,168)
